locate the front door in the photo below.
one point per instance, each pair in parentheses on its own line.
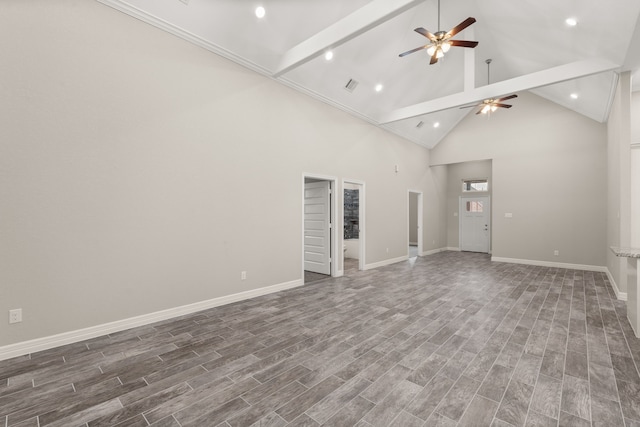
(317,226)
(475,224)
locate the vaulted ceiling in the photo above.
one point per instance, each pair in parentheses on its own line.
(529,42)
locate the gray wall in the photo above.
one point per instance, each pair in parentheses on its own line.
(435,209)
(455,174)
(142,173)
(549,171)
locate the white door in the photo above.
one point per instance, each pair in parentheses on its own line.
(317,226)
(475,224)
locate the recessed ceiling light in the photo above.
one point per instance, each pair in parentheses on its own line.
(574,96)
(571,22)
(379,87)
(329,55)
(436,124)
(260,12)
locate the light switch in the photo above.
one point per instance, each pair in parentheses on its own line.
(508,215)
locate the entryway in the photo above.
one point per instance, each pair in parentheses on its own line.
(415,224)
(475,224)
(353,237)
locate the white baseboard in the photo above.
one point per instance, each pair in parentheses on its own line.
(635,332)
(433,251)
(584,267)
(452,249)
(45,343)
(622,296)
(385,262)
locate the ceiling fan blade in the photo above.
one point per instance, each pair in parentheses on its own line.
(413,50)
(425,33)
(502,105)
(463,43)
(461,26)
(479,111)
(434,57)
(470,106)
(506,97)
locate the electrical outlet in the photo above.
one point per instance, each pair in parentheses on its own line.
(387,250)
(15,316)
(556,252)
(243,275)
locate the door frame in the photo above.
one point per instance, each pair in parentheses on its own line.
(420,220)
(361,221)
(461,212)
(333,215)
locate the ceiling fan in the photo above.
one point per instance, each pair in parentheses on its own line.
(441,41)
(490,105)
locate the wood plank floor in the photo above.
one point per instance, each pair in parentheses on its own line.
(448,339)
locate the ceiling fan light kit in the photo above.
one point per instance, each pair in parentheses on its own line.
(490,105)
(440,44)
(441,41)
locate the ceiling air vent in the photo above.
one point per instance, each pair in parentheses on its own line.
(351,85)
(420,124)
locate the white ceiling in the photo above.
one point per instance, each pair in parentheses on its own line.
(531,46)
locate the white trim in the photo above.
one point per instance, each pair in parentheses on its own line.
(45,343)
(419,218)
(622,296)
(636,333)
(225,53)
(385,262)
(611,98)
(434,251)
(361,220)
(584,267)
(183,34)
(451,248)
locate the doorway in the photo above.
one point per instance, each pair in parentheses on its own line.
(353,237)
(475,224)
(415,224)
(318,232)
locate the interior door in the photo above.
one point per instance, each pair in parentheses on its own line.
(317,226)
(475,224)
